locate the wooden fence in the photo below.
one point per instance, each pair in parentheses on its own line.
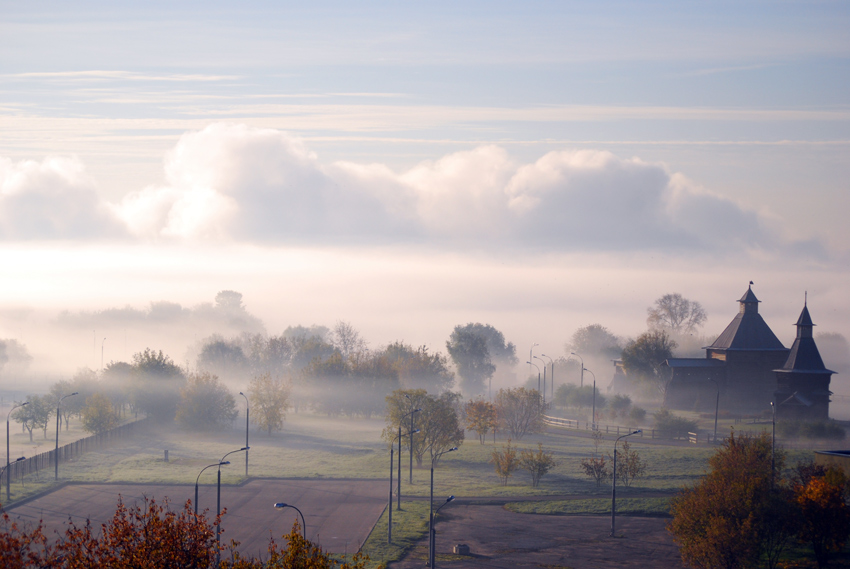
(45,460)
(618,430)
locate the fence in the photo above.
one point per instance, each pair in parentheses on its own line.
(617,429)
(45,460)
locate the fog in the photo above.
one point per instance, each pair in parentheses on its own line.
(127,299)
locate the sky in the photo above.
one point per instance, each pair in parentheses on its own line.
(538,166)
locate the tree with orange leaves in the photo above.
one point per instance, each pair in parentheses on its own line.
(825,518)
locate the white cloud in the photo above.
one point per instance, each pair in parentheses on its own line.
(235,182)
(51,199)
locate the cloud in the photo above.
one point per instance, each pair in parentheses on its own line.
(52,199)
(235,182)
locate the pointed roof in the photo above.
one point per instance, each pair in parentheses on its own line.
(804,356)
(748,331)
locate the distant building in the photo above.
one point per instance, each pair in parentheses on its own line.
(750,367)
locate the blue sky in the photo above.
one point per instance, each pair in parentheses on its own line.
(673,142)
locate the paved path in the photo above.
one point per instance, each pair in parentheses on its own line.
(501,539)
(339,513)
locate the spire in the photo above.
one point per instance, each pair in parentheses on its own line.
(749,302)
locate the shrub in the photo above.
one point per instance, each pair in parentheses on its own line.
(505,462)
(637,414)
(537,463)
(811,430)
(670,425)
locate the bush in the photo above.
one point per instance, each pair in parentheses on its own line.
(637,415)
(670,425)
(811,430)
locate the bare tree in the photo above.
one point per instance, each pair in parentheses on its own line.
(520,410)
(347,339)
(675,313)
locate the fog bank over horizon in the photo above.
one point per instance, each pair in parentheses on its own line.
(161,298)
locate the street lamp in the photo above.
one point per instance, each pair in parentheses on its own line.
(5,469)
(538,375)
(593,416)
(531,354)
(614,480)
(247,410)
(199,477)
(56,454)
(218,506)
(773,439)
(717,407)
(410,473)
(432,553)
(551,375)
(390,506)
(282,505)
(581,384)
(544,377)
(7,444)
(431,507)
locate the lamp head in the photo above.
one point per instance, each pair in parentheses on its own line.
(452,449)
(414,432)
(245,448)
(528,362)
(20,459)
(449,499)
(74,393)
(280,505)
(637,432)
(225,463)
(23,404)
(416,410)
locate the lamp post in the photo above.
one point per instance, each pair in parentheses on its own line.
(7,444)
(581,381)
(390,505)
(717,407)
(773,439)
(538,375)
(614,480)
(431,508)
(221,463)
(410,473)
(247,411)
(593,416)
(551,375)
(432,553)
(5,470)
(282,505)
(544,376)
(531,355)
(199,477)
(56,453)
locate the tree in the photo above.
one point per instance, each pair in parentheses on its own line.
(438,422)
(643,358)
(470,355)
(499,350)
(520,411)
(675,313)
(418,369)
(156,384)
(569,395)
(824,515)
(722,521)
(537,463)
(596,468)
(347,339)
(505,462)
(36,415)
(269,400)
(439,425)
(630,466)
(205,404)
(597,340)
(480,417)
(222,357)
(98,415)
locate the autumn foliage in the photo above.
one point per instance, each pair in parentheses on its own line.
(150,536)
(744,512)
